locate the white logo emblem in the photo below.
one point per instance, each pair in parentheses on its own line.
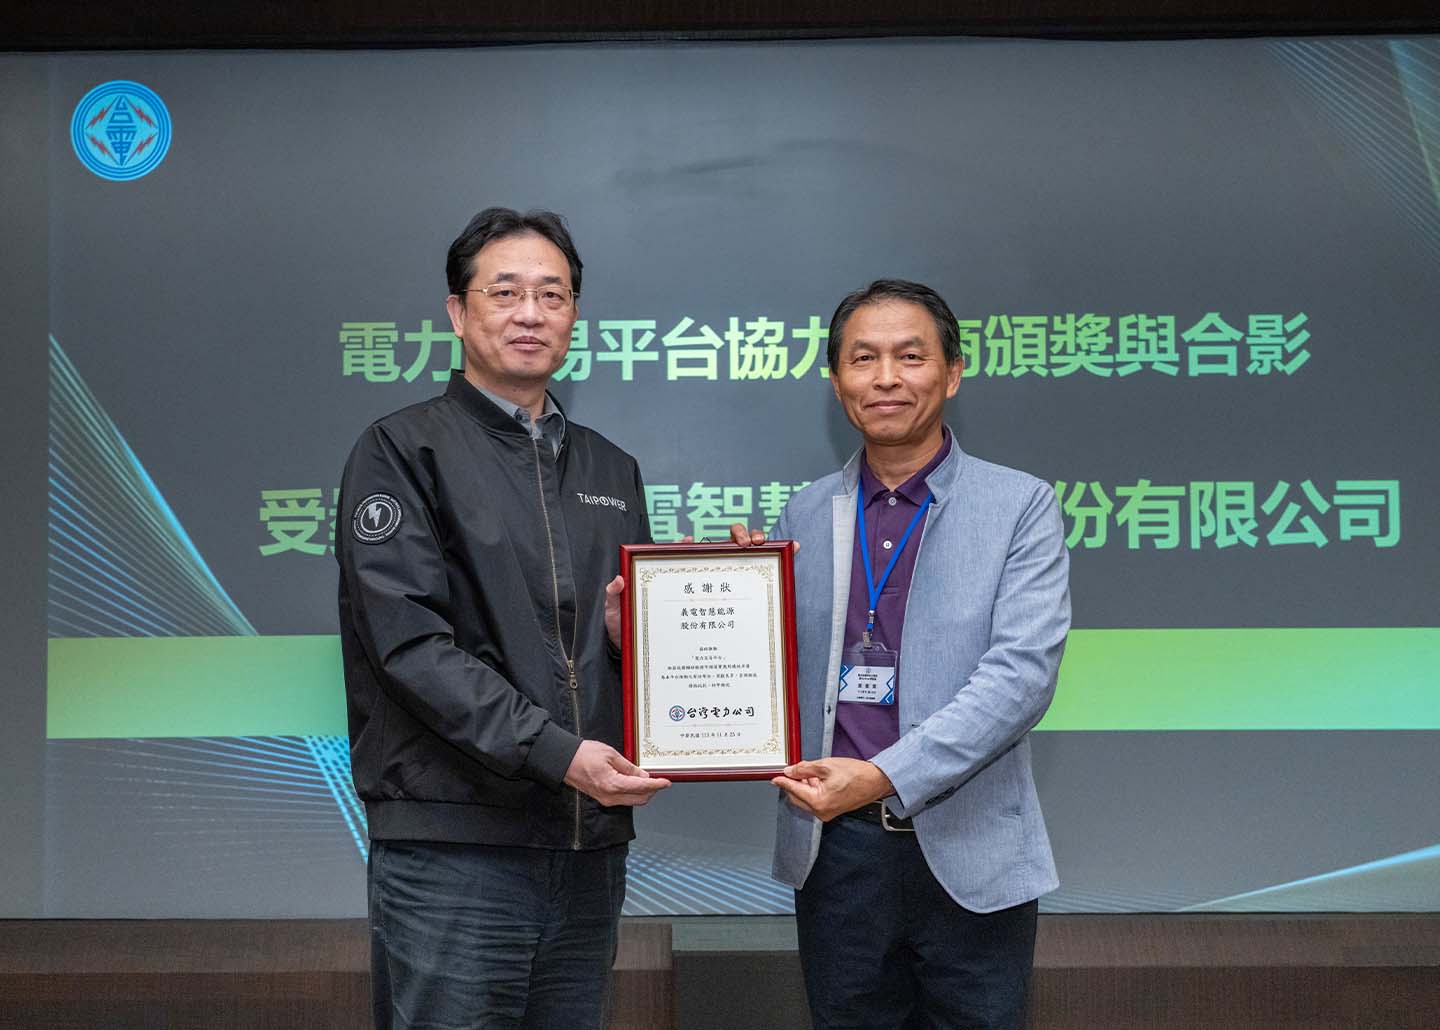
(376,519)
(600,500)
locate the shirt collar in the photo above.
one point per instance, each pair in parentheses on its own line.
(914,489)
(499,414)
(522,415)
(550,426)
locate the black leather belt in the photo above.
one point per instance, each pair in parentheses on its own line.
(877,813)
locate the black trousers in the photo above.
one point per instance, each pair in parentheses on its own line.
(883,946)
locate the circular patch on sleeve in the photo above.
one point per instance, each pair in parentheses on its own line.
(376,519)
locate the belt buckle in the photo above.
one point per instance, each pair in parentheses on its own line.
(885,821)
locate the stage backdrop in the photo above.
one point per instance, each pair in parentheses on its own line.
(1197,289)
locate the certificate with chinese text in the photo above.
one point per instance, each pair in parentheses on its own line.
(709,660)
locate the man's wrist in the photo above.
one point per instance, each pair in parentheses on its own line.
(878,785)
(894,767)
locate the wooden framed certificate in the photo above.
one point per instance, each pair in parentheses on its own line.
(709,659)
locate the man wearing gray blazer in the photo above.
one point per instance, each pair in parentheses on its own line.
(913,835)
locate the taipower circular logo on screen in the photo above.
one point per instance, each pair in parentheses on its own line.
(120,130)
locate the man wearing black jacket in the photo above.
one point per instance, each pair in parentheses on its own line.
(479,621)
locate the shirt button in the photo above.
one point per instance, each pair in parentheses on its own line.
(887,545)
(891,502)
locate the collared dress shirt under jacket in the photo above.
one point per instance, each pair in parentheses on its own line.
(864,730)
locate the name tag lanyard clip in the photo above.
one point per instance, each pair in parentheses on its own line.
(871,586)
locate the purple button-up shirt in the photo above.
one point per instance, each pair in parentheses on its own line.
(864,730)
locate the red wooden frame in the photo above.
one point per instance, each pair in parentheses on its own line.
(786,550)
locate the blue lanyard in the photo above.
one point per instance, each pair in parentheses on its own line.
(870,584)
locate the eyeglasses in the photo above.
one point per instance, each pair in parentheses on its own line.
(505,296)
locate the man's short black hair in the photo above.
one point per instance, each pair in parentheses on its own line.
(897,289)
(498,223)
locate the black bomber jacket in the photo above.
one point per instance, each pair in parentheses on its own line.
(473,564)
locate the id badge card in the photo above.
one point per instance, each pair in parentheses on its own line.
(868,673)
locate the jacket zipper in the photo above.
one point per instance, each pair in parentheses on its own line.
(569,655)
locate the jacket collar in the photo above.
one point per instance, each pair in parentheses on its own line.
(486,411)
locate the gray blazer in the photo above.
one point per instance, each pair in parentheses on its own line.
(985,627)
